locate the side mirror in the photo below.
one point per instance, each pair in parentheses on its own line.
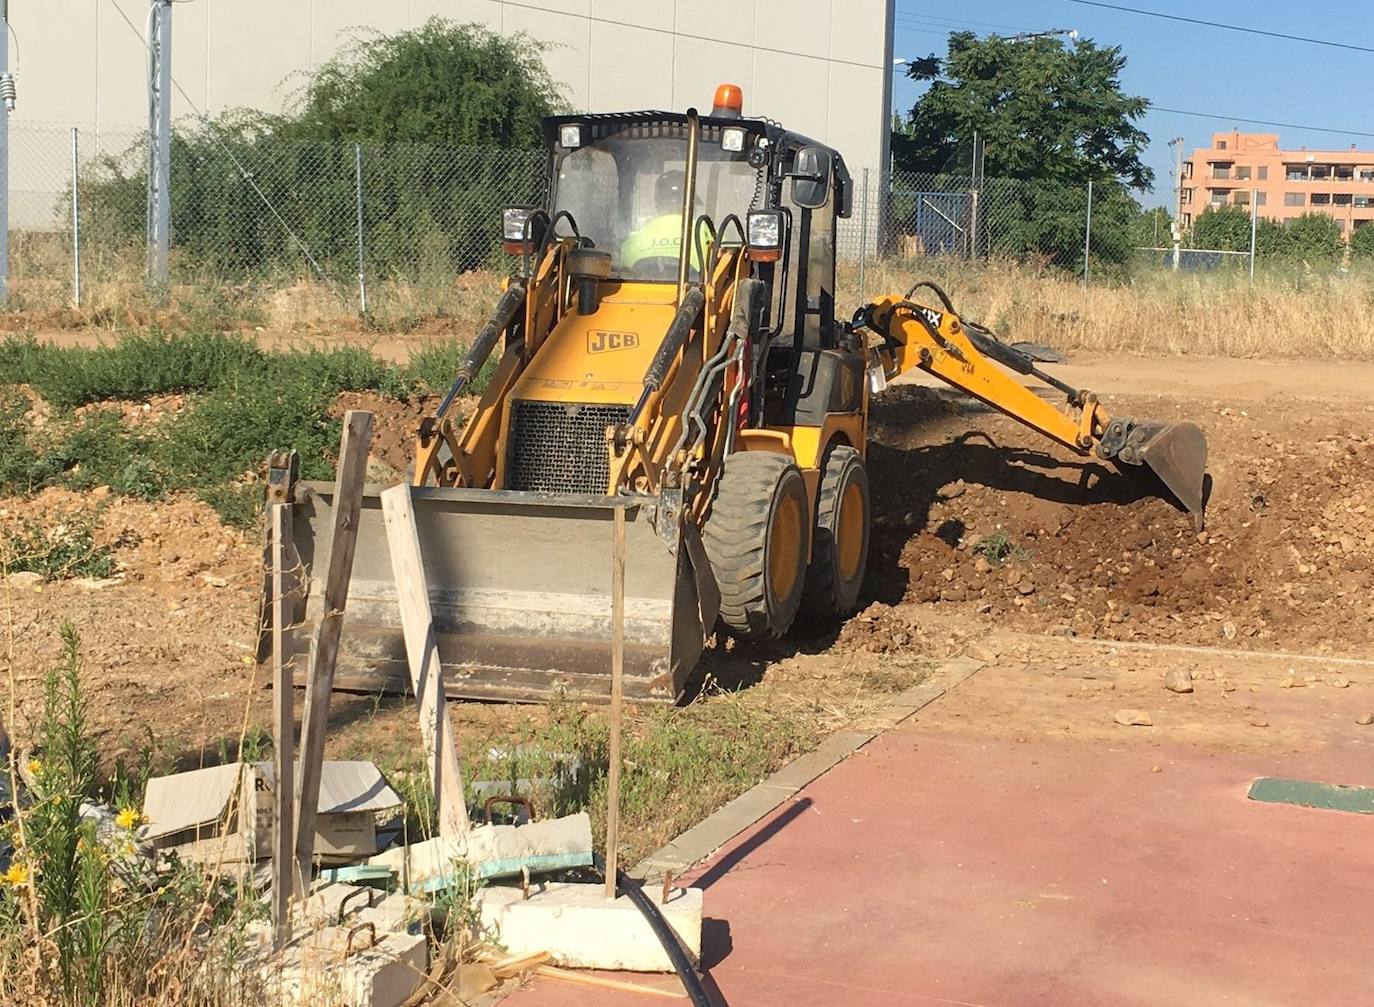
(811,177)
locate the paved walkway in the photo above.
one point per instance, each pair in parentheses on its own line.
(938,869)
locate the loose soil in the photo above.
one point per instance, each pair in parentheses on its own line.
(1286,564)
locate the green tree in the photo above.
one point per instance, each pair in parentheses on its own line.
(442,85)
(446,115)
(1315,237)
(1051,116)
(1153,228)
(1222,228)
(1362,243)
(1045,112)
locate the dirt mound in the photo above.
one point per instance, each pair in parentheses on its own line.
(976,514)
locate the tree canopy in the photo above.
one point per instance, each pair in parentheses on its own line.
(442,84)
(1046,111)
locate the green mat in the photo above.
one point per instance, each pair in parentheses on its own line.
(1330,796)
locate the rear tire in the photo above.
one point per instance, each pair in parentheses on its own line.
(756,538)
(839,554)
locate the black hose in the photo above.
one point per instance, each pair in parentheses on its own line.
(936,290)
(511,302)
(672,946)
(678,331)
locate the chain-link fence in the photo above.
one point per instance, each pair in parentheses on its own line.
(251,212)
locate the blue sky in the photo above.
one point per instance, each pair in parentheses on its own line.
(1190,67)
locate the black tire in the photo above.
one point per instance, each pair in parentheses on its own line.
(756,538)
(837,567)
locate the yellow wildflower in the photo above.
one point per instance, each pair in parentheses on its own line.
(129,818)
(17,875)
(35,767)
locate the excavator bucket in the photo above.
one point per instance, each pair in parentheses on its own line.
(1177,454)
(520,588)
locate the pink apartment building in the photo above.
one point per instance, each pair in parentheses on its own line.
(1285,183)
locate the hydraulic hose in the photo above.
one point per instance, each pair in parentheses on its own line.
(682,965)
(678,331)
(511,302)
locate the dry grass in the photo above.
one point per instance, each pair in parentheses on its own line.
(1292,312)
(1159,313)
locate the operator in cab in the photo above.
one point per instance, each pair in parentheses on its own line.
(661,236)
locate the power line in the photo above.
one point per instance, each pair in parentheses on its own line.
(1228,27)
(1259,122)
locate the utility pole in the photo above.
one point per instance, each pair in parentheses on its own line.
(1177,144)
(160,140)
(8,95)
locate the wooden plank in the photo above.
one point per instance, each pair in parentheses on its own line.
(284,879)
(606,983)
(617,700)
(426,671)
(324,646)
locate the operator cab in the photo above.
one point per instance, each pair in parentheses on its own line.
(622,183)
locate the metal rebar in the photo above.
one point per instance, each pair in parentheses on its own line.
(358,186)
(76,222)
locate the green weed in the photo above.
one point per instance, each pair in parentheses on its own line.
(995,548)
(60,552)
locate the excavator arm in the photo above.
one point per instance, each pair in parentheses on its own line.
(967,356)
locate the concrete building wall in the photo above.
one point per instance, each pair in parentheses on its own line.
(819,66)
(1241,167)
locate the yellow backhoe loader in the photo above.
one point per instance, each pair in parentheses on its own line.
(670,345)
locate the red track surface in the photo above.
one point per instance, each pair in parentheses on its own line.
(938,869)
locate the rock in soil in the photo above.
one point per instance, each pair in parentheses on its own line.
(1134,718)
(1365,719)
(1178,680)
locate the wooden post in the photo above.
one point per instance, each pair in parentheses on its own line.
(617,699)
(284,880)
(324,645)
(422,656)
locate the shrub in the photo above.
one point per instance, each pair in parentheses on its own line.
(59,552)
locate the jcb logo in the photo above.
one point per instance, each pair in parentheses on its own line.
(605,342)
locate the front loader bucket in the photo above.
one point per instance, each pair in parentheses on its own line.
(520,587)
(1177,453)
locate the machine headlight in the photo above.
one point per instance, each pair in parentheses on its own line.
(570,135)
(766,232)
(513,221)
(732,139)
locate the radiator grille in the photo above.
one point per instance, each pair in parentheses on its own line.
(560,447)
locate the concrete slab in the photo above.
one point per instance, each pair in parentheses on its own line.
(948,869)
(581,928)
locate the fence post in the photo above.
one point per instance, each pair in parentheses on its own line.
(76,224)
(1088,235)
(5,150)
(1254,229)
(160,150)
(358,187)
(863,239)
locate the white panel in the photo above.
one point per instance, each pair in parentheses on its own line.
(856,116)
(629,69)
(487,12)
(335,23)
(794,90)
(255,46)
(645,13)
(567,56)
(698,67)
(582,8)
(796,26)
(57,60)
(121,67)
(719,20)
(857,32)
(190,31)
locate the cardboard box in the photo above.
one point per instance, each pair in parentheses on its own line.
(224,813)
